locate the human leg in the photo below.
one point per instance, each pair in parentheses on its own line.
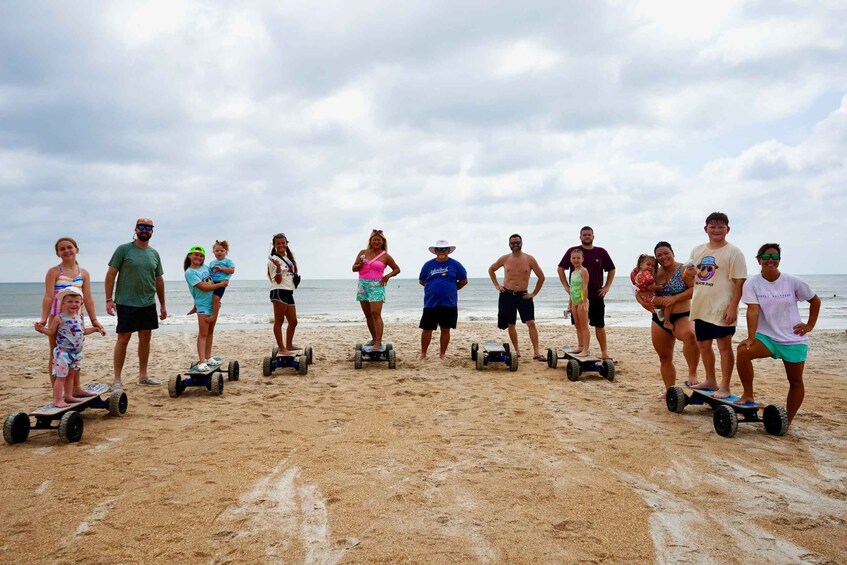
(376,319)
(746,354)
(532,328)
(727,365)
(211,321)
(664,343)
(684,332)
(119,355)
(366,310)
(597,317)
(291,318)
(73,376)
(444,342)
(513,337)
(426,338)
(796,388)
(216,307)
(144,337)
(280,309)
(202,335)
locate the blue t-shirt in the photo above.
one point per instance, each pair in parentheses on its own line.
(441,282)
(202,300)
(218,276)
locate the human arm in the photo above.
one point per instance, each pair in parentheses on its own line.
(462,283)
(814,310)
(49,293)
(88,301)
(227,270)
(395,270)
(359,262)
(533,264)
(585,278)
(752,325)
(492,274)
(86,330)
(209,286)
(111,274)
(564,279)
(50,330)
(605,288)
(644,304)
(730,315)
(160,292)
(663,301)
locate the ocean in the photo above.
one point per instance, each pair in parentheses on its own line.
(332,302)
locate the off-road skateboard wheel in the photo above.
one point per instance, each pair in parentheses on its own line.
(16,428)
(175,386)
(607,369)
(217,384)
(302,364)
(392,359)
(775,419)
(474,351)
(675,399)
(267,366)
(274,352)
(308,352)
(70,427)
(232,370)
(513,362)
(480,361)
(389,347)
(118,402)
(552,359)
(726,421)
(357,359)
(572,370)
(358,347)
(507,348)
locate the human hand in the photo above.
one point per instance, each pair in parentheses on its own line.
(110,307)
(602,292)
(224,283)
(747,343)
(803,329)
(731,315)
(40,327)
(99,327)
(216,269)
(583,306)
(528,295)
(164,313)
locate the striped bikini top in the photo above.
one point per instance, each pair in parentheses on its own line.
(63,281)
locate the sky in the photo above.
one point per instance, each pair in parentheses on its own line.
(460,120)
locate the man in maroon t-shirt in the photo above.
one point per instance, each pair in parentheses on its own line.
(597,261)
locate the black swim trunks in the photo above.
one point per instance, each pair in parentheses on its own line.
(510,303)
(132,319)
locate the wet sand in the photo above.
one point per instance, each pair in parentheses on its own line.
(434,462)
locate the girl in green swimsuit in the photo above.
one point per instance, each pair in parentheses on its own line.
(577,302)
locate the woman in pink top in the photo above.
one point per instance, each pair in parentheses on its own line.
(370,264)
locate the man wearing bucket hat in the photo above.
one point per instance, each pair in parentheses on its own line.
(138,269)
(441,278)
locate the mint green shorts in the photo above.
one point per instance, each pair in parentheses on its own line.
(370,290)
(789,353)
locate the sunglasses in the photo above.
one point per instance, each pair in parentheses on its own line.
(766,256)
(376,231)
(442,249)
(144,227)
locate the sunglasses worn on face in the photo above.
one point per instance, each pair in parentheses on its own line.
(441,249)
(144,227)
(766,256)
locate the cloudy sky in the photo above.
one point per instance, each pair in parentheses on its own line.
(464,120)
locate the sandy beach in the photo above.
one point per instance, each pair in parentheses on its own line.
(434,462)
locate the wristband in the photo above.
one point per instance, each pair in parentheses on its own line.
(109,300)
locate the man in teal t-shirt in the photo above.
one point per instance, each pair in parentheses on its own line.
(138,269)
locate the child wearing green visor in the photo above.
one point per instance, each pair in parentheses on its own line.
(200,284)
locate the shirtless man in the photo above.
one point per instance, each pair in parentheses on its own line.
(514,297)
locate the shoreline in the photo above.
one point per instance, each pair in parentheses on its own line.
(432,462)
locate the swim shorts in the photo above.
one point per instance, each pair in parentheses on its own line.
(674,318)
(704,331)
(282,295)
(444,316)
(795,353)
(370,291)
(64,361)
(133,319)
(510,303)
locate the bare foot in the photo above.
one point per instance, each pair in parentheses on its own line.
(705,385)
(79,392)
(376,345)
(285,352)
(442,356)
(292,347)
(662,395)
(72,399)
(722,394)
(61,404)
(422,357)
(692,381)
(745,400)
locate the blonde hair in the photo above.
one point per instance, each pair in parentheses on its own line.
(221,243)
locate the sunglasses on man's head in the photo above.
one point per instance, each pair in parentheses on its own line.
(766,256)
(144,227)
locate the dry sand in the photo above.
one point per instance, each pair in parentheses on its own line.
(434,462)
